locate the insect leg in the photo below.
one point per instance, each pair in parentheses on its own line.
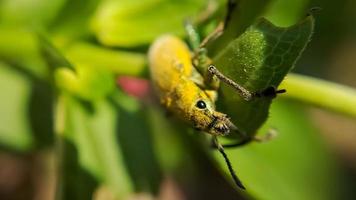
(269,92)
(221,26)
(200,58)
(271,134)
(193,35)
(234,145)
(228,163)
(213,35)
(208,13)
(245,139)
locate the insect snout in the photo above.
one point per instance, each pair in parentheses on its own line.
(222,129)
(221,124)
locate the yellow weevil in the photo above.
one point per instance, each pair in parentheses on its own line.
(186,83)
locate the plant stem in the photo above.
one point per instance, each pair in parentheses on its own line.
(321,93)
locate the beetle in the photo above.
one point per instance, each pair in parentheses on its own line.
(178,85)
(186,82)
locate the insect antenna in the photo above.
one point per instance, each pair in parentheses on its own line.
(228,163)
(241,90)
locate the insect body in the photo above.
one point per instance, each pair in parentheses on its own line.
(180,86)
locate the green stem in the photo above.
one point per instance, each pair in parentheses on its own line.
(321,93)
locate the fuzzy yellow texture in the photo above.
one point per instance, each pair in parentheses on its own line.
(171,73)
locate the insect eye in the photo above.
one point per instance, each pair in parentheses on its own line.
(201,104)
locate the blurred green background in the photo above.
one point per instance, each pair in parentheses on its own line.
(78,135)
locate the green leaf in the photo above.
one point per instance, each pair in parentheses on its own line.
(130,23)
(243,14)
(87,82)
(294,165)
(30,13)
(20,47)
(90,154)
(72,22)
(259,58)
(37,108)
(116,61)
(52,55)
(136,143)
(15,131)
(171,137)
(31,51)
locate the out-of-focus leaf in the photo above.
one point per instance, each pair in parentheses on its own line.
(72,22)
(286,13)
(29,13)
(90,152)
(15,131)
(40,113)
(136,144)
(130,23)
(31,51)
(52,55)
(259,58)
(20,47)
(294,165)
(21,50)
(38,109)
(87,82)
(243,14)
(74,181)
(167,136)
(119,62)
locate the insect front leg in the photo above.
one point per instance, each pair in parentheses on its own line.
(218,31)
(193,35)
(200,59)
